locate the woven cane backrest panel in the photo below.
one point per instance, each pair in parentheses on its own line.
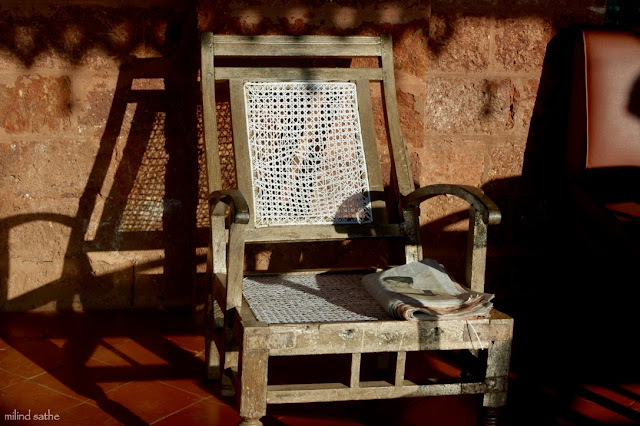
(306,153)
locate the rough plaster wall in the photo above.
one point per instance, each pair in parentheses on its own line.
(100,140)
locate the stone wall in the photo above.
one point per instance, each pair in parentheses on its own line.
(101,195)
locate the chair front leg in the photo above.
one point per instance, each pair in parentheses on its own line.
(253,386)
(493,403)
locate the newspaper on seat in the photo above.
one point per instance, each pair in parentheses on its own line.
(424,291)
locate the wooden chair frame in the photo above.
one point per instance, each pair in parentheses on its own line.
(241,355)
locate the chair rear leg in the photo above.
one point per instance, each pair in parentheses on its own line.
(212,358)
(213,324)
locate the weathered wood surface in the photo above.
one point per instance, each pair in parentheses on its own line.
(314,46)
(323,392)
(304,233)
(482,213)
(370,148)
(301,74)
(381,336)
(214,177)
(401,363)
(253,385)
(356,361)
(497,366)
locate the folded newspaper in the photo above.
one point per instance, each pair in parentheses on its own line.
(424,291)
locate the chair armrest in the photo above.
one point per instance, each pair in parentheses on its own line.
(478,200)
(234,200)
(482,212)
(232,248)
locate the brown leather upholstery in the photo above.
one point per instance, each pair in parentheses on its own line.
(612,80)
(604,135)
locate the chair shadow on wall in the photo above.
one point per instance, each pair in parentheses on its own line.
(151,205)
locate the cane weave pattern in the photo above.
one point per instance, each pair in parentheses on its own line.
(292,299)
(307,156)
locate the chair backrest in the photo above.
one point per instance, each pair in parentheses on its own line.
(306,154)
(304,137)
(605,121)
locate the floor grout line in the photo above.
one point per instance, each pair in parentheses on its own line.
(177,411)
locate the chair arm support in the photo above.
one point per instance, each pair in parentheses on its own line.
(226,252)
(232,198)
(483,212)
(478,200)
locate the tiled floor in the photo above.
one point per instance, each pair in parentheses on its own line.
(147,368)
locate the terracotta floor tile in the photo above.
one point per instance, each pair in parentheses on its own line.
(349,413)
(192,343)
(591,410)
(316,420)
(59,342)
(607,403)
(208,411)
(31,358)
(87,415)
(604,394)
(622,420)
(170,351)
(151,401)
(8,379)
(113,340)
(127,353)
(442,410)
(195,385)
(630,415)
(630,389)
(27,395)
(88,381)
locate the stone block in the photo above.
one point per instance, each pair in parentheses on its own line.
(466,7)
(95,102)
(506,161)
(52,240)
(69,285)
(520,43)
(459,161)
(444,220)
(527,88)
(129,224)
(21,210)
(31,284)
(156,291)
(458,43)
(411,111)
(470,105)
(51,168)
(410,46)
(36,104)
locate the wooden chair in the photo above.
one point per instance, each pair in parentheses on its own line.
(273,203)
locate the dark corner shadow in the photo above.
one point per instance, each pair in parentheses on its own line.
(558,288)
(155,105)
